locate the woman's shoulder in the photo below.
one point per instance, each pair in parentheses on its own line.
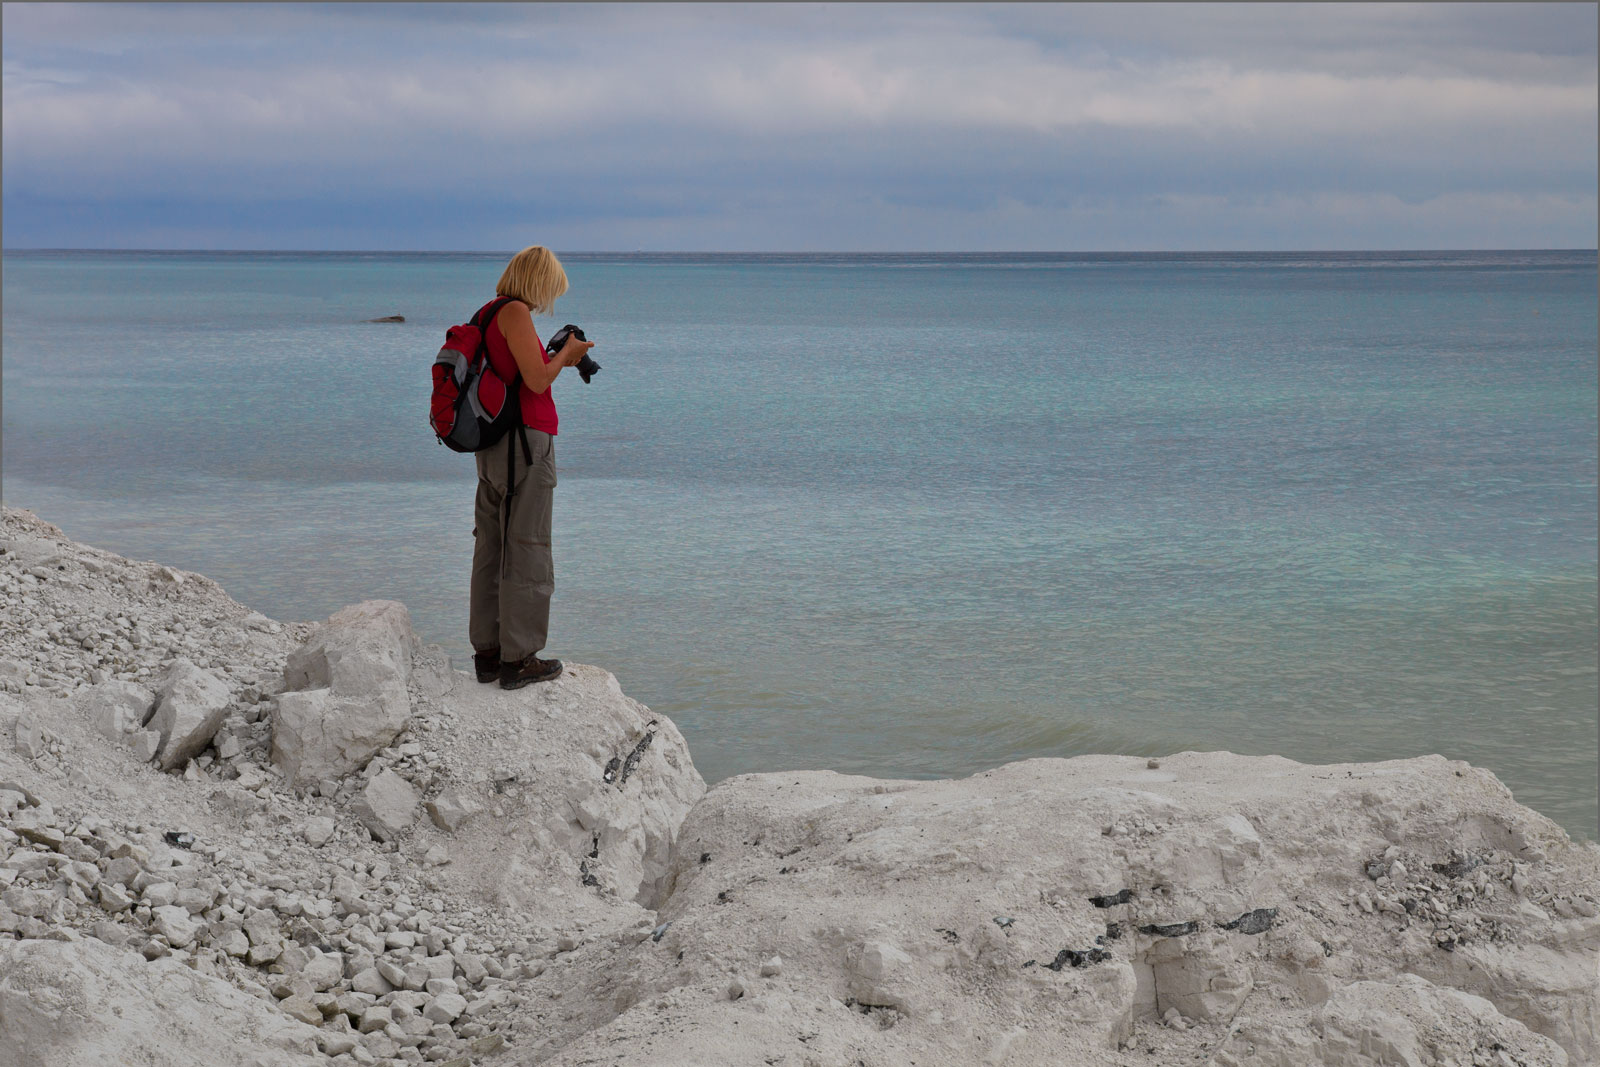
(512,311)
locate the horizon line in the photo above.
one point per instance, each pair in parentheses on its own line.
(781,252)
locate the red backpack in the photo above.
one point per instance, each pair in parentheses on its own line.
(472,406)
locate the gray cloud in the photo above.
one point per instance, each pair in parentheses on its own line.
(957,125)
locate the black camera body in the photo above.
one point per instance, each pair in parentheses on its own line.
(587,367)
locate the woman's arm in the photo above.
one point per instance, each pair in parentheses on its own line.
(516,325)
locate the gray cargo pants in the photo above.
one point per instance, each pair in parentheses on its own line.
(512,581)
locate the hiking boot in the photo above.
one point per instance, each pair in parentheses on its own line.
(487,664)
(533,669)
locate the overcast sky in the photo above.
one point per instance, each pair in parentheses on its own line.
(800,127)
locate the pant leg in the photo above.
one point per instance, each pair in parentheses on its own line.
(529,579)
(483,622)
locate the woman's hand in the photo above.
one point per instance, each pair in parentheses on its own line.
(572,352)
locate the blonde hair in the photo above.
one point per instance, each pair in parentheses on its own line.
(534,276)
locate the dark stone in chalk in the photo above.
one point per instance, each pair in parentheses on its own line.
(1458,866)
(1377,869)
(1070,957)
(1122,896)
(1113,930)
(588,879)
(1169,929)
(638,752)
(387,318)
(660,931)
(1253,922)
(179,839)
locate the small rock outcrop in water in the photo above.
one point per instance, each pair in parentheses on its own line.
(420,869)
(387,318)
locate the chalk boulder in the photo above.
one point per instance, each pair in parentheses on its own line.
(575,782)
(346,692)
(29,738)
(116,708)
(451,810)
(189,709)
(387,806)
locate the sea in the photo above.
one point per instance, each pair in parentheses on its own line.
(902,515)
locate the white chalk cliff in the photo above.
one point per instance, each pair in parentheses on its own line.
(226,840)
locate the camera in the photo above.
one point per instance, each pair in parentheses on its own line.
(587,367)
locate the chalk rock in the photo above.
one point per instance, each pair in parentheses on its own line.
(386,806)
(318,829)
(116,707)
(323,970)
(1225,900)
(375,1018)
(392,972)
(371,981)
(300,1007)
(28,737)
(174,924)
(346,694)
(361,649)
(144,744)
(570,773)
(1198,974)
(190,706)
(87,1004)
(445,1008)
(878,978)
(113,898)
(450,810)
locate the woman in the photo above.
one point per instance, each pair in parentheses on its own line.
(512,573)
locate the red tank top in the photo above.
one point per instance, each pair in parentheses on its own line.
(538,409)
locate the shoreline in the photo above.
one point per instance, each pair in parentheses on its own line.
(391,864)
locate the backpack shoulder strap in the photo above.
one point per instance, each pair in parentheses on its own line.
(482,319)
(487,313)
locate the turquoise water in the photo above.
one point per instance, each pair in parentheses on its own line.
(903,515)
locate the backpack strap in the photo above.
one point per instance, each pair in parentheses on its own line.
(482,321)
(487,313)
